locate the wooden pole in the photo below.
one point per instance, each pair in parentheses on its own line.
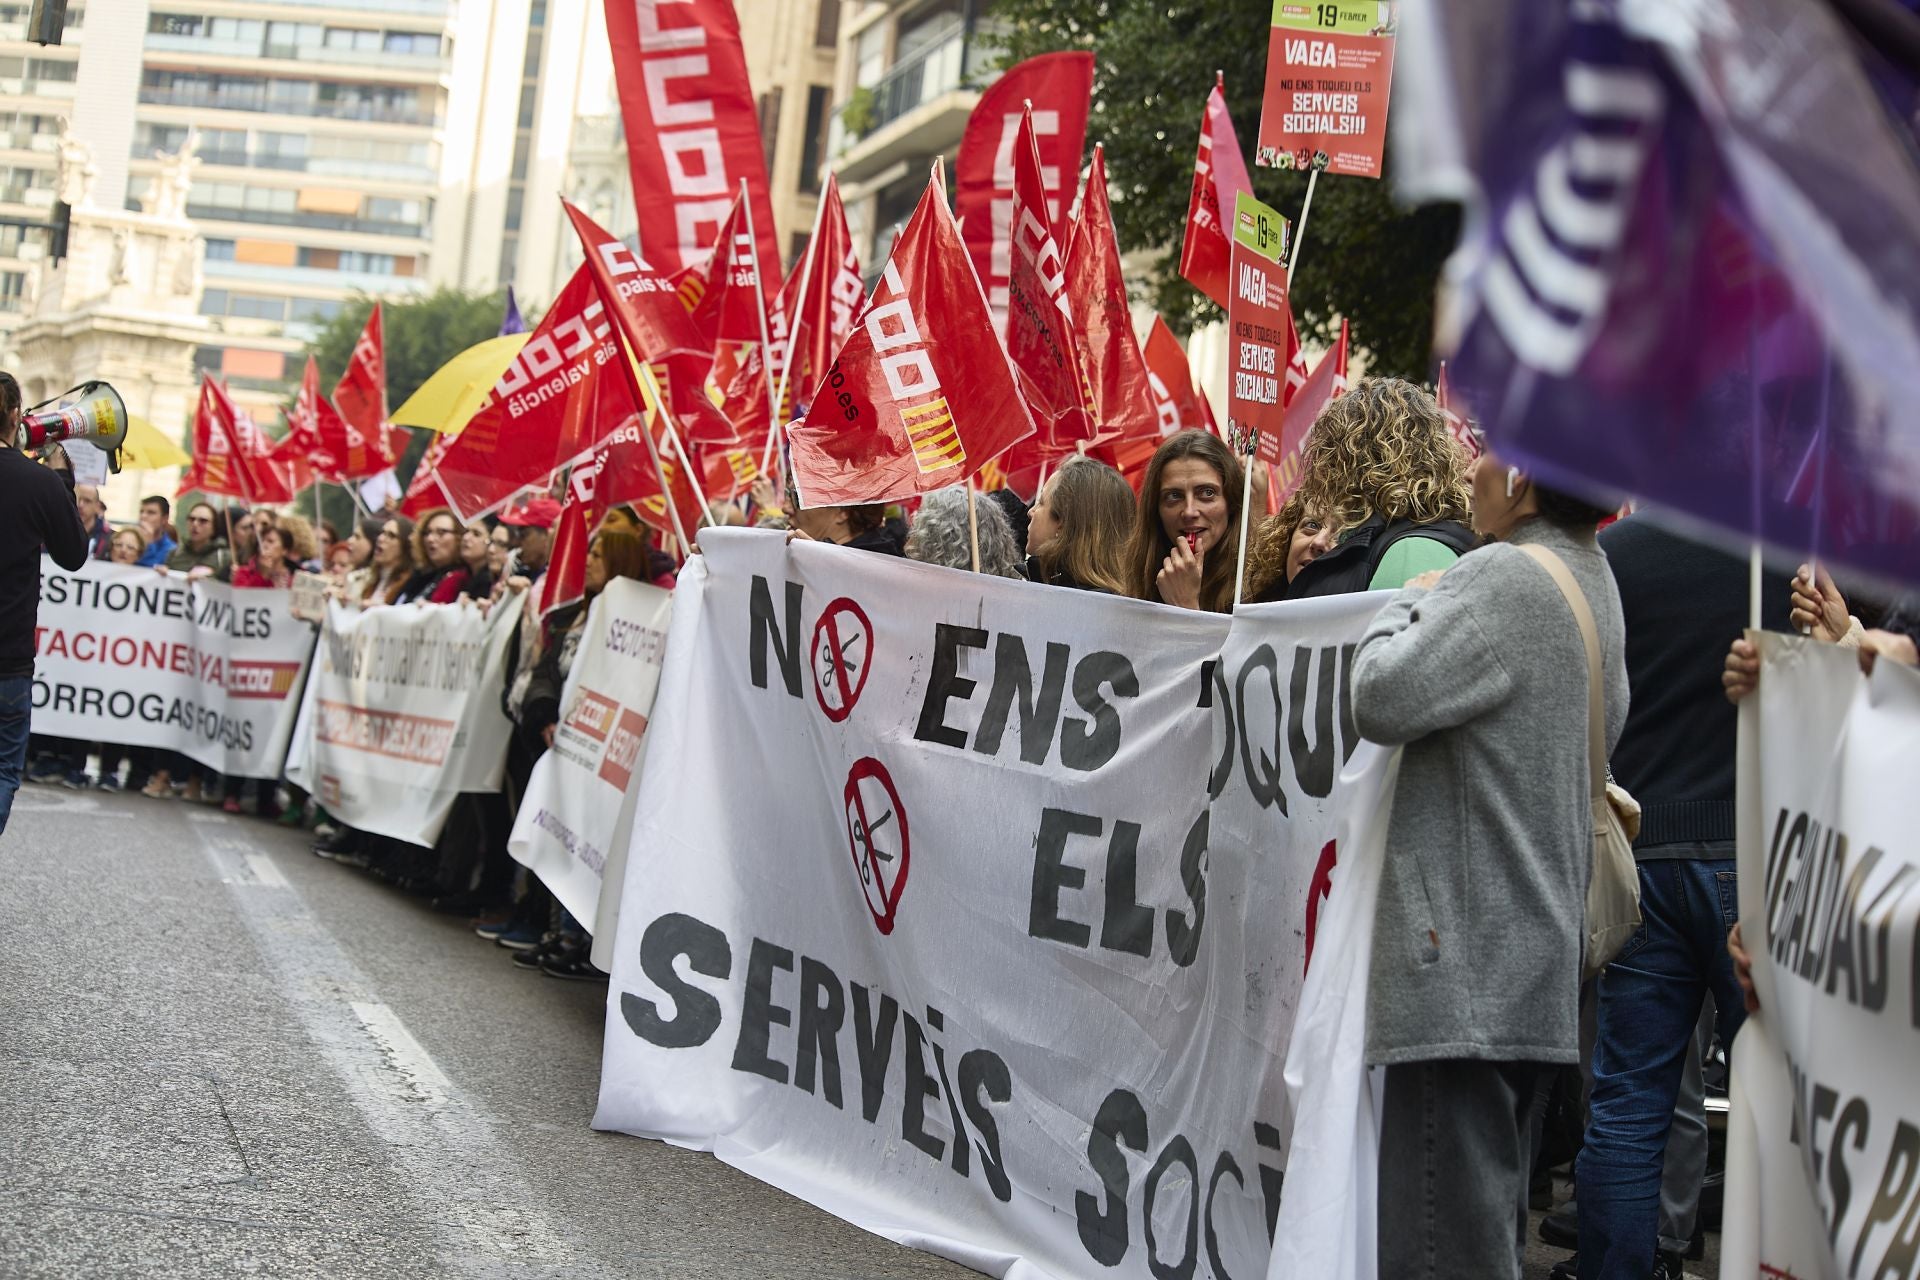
(973,524)
(1300,232)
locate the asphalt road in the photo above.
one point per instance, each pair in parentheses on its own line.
(222,1056)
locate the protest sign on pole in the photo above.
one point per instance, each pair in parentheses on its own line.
(1329,75)
(132,657)
(402,714)
(906,839)
(1823,1158)
(1257,320)
(564,829)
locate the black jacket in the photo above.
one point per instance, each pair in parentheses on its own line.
(886,539)
(36,510)
(1350,566)
(1683,603)
(541,705)
(1059,578)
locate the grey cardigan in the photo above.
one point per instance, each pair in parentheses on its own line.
(1477,936)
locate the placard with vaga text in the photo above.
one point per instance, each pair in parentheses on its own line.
(1257,321)
(1329,74)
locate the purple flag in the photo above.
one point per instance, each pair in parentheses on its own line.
(511,322)
(1692,269)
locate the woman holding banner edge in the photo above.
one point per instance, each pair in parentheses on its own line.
(1480,673)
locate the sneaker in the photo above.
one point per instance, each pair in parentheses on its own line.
(325,832)
(110,782)
(492,929)
(46,771)
(1568,1268)
(230,805)
(524,938)
(159,787)
(193,792)
(1667,1266)
(546,949)
(575,967)
(77,780)
(292,816)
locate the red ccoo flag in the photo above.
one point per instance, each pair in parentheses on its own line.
(884,426)
(692,129)
(826,299)
(1115,369)
(338,450)
(1178,405)
(230,455)
(1219,173)
(361,394)
(1060,88)
(1043,339)
(548,409)
(656,328)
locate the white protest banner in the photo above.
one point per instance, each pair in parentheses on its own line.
(976,912)
(567,818)
(1823,1159)
(403,714)
(138,658)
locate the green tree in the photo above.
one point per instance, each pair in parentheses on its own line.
(422,333)
(1363,256)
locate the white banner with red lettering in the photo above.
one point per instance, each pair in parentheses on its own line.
(403,714)
(1823,1147)
(977,912)
(143,659)
(564,830)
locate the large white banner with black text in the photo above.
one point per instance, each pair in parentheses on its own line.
(1823,1160)
(403,714)
(146,659)
(977,912)
(564,830)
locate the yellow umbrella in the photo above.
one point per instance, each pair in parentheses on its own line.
(148,449)
(459,387)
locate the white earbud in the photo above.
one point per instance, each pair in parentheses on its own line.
(1513,478)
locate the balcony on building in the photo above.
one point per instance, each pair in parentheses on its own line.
(920,70)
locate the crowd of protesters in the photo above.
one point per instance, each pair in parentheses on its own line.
(1500,1060)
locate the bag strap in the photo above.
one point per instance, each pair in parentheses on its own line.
(1583,618)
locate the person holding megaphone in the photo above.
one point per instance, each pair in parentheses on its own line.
(36,510)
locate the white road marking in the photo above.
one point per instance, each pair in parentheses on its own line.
(265,873)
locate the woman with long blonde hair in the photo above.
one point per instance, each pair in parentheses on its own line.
(1078,528)
(1383,472)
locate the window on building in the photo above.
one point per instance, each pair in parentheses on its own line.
(213,302)
(527,95)
(530,65)
(13,290)
(826,25)
(769,122)
(312,310)
(249,306)
(46,69)
(815,146)
(219,251)
(175,24)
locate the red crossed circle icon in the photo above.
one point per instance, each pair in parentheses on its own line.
(841,656)
(877,837)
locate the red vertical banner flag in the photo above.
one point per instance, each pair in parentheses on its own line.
(423,490)
(361,393)
(547,410)
(922,395)
(736,299)
(1329,76)
(1257,330)
(656,328)
(1116,372)
(1043,339)
(1177,404)
(339,451)
(1219,176)
(692,128)
(1060,88)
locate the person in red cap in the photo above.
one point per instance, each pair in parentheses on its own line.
(534,519)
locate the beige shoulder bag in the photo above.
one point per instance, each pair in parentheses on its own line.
(1613,889)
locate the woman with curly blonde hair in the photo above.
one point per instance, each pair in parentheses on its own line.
(1383,472)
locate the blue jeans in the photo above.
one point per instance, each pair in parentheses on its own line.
(16,713)
(1649,1005)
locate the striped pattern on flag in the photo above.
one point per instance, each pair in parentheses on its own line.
(935,440)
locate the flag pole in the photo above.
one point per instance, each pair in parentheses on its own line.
(659,406)
(973,525)
(793,328)
(760,304)
(1300,233)
(665,411)
(1246,516)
